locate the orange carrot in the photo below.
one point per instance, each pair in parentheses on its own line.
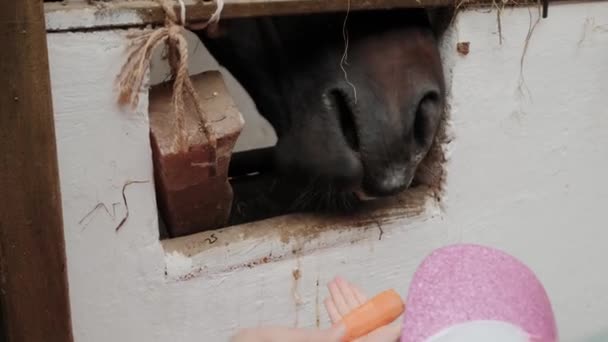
(375,313)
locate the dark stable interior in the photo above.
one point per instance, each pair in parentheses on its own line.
(258,191)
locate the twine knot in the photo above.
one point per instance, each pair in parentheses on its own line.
(174,32)
(134,70)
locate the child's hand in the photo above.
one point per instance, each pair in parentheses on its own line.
(344,298)
(281,334)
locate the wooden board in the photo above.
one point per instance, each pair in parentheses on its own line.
(72,15)
(34,304)
(81,14)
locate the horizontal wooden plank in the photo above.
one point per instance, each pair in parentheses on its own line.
(73,15)
(82,14)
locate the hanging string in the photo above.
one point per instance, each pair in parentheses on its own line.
(131,77)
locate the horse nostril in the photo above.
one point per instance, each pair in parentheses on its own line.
(425,120)
(342,104)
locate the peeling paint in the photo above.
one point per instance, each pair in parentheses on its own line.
(177,265)
(63,20)
(317,304)
(297,299)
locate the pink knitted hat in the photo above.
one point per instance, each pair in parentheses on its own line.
(466,283)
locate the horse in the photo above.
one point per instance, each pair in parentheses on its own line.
(355,99)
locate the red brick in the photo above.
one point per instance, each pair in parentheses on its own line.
(191,198)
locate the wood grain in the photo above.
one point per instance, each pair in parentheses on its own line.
(102,15)
(34,302)
(150,12)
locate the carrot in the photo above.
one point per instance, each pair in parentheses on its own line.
(379,311)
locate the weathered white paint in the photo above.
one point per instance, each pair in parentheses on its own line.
(81,15)
(102,14)
(526,174)
(88,17)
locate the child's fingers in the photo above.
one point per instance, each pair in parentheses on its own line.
(332,311)
(348,294)
(338,298)
(361,297)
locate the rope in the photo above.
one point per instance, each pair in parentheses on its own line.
(132,74)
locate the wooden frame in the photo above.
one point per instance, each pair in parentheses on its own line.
(142,12)
(135,13)
(34,302)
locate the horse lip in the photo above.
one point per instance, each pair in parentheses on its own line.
(362,196)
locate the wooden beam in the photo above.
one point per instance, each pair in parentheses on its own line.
(34,303)
(71,15)
(127,13)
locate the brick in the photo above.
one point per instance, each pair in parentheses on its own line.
(191,197)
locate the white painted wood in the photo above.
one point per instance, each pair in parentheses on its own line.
(90,17)
(89,14)
(526,174)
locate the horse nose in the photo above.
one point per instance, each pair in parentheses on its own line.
(394,181)
(347,174)
(390,186)
(344,107)
(321,158)
(347,170)
(426,120)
